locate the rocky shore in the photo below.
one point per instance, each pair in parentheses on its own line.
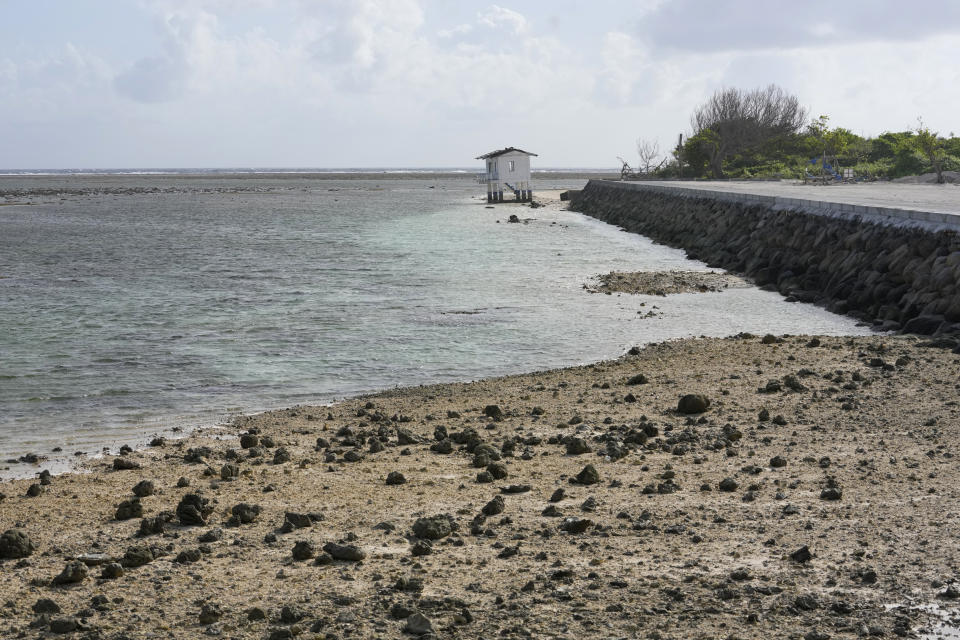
(788,487)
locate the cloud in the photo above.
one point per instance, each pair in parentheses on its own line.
(739,25)
(153,80)
(497,17)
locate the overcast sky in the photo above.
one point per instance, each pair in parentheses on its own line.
(429,83)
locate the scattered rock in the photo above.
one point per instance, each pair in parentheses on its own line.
(73,573)
(210,613)
(128,509)
(588,475)
(143,489)
(244,513)
(15,543)
(193,510)
(111,571)
(728,484)
(418,624)
(693,403)
(434,527)
(350,552)
(801,555)
(136,556)
(494,507)
(125,464)
(395,478)
(303,550)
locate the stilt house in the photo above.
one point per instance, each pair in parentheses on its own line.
(508,168)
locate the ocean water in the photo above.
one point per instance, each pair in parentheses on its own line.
(134,304)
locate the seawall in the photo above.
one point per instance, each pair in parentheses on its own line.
(898,269)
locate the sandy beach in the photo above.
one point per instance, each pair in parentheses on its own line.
(805,489)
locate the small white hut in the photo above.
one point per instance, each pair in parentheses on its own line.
(509,168)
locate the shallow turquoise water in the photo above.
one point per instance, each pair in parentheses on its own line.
(131,305)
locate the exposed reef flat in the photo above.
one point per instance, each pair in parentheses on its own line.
(664,283)
(789,487)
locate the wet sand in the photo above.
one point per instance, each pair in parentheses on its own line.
(816,489)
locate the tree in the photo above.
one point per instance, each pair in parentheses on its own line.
(930,144)
(649,151)
(733,121)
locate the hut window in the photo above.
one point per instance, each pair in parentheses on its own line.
(511,163)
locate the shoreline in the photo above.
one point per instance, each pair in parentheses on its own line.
(16,466)
(645,548)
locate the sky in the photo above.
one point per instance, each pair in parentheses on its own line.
(435,83)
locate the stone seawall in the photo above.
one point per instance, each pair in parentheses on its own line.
(901,278)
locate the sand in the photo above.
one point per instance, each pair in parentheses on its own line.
(840,446)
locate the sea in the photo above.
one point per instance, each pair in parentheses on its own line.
(138,303)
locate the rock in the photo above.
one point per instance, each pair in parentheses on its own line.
(188,556)
(152,526)
(291,615)
(497,470)
(304,550)
(515,488)
(136,556)
(193,510)
(125,464)
(444,446)
(637,379)
(421,548)
(493,412)
(801,555)
(693,403)
(434,527)
(395,478)
(575,525)
(248,440)
(728,484)
(15,543)
(34,490)
(558,495)
(353,456)
(831,493)
(588,475)
(493,507)
(129,509)
(256,613)
(296,520)
(64,625)
(143,489)
(230,471)
(111,571)
(350,552)
(577,446)
(418,624)
(551,512)
(245,513)
(211,536)
(281,456)
(778,462)
(405,438)
(950,593)
(73,573)
(46,605)
(513,218)
(210,613)
(485,477)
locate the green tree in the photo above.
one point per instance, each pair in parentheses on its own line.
(931,145)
